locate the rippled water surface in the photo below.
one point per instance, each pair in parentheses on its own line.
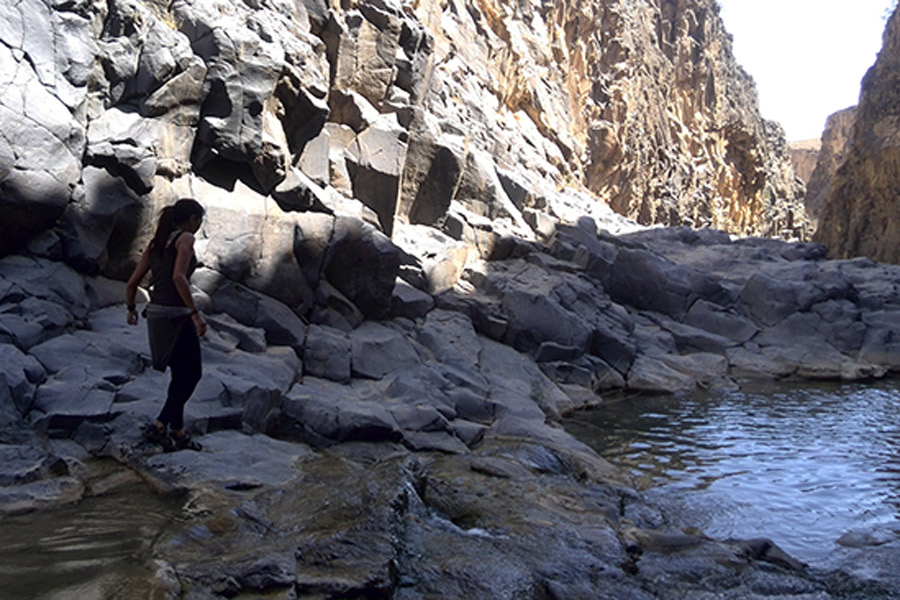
(803,465)
(97,548)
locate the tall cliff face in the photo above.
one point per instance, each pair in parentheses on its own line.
(804,155)
(641,102)
(834,145)
(481,118)
(861,215)
(685,144)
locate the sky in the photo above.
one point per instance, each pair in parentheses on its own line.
(807,57)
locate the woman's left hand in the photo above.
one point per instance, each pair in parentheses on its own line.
(199,324)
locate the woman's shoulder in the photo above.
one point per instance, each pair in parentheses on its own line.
(183,239)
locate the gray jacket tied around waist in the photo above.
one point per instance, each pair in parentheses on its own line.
(164,323)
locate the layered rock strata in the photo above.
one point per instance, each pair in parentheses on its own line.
(860,215)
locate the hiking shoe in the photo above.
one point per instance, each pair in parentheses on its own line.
(152,433)
(185,442)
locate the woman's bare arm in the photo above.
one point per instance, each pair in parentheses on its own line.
(140,271)
(184,248)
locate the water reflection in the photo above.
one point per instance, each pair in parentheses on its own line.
(97,548)
(802,465)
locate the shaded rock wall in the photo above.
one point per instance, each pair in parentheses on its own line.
(835,142)
(861,215)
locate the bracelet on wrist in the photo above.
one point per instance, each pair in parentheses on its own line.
(194,311)
(131,308)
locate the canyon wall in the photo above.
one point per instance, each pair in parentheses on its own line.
(410,273)
(642,102)
(834,144)
(478,118)
(679,139)
(804,155)
(861,214)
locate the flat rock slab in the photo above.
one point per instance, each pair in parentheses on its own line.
(22,463)
(73,396)
(232,460)
(40,495)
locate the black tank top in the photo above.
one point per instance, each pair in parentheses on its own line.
(162,266)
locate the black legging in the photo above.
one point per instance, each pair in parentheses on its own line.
(186,372)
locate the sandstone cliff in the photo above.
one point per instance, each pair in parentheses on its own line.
(641,102)
(804,155)
(833,152)
(861,215)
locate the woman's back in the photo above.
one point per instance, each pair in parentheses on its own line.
(162,268)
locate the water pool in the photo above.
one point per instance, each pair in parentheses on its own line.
(815,468)
(100,547)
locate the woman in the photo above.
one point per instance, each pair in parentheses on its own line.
(174,324)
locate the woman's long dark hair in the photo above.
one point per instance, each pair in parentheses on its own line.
(170,218)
